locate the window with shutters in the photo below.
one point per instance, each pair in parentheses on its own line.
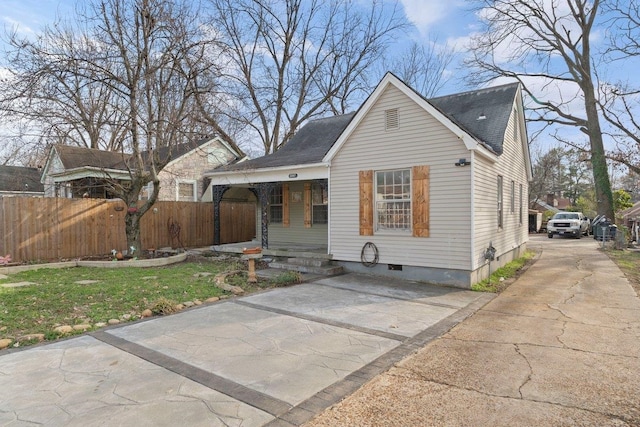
(320,204)
(186,191)
(393,200)
(275,205)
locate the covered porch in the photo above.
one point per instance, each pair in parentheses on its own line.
(291,215)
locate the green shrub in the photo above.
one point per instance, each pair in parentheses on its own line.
(163,306)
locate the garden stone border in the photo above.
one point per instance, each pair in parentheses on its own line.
(153,262)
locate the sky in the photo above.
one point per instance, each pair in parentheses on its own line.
(447,21)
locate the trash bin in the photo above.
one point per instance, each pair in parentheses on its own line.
(603,229)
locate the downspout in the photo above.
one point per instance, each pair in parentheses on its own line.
(329,208)
(473,209)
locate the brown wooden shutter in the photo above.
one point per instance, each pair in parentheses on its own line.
(366,203)
(285,205)
(307,204)
(420,200)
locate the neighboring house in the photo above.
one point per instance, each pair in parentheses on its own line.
(20,181)
(83,172)
(552,202)
(631,219)
(432,184)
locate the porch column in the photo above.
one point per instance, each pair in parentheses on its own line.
(216,192)
(262,192)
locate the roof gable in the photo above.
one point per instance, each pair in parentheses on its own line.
(458,113)
(20,179)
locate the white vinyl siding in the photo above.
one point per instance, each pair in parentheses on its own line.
(420,140)
(511,166)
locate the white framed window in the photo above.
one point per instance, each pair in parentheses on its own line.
(500,205)
(275,205)
(320,204)
(520,205)
(393,200)
(186,191)
(146,192)
(513,197)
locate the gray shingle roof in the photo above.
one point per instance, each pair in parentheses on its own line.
(494,103)
(17,178)
(77,157)
(315,139)
(308,145)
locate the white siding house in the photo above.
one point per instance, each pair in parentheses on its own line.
(411,180)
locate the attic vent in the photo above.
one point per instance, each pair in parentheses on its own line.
(481,117)
(391,119)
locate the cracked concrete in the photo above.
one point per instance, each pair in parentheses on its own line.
(560,346)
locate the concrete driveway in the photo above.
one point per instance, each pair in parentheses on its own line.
(559,347)
(274,358)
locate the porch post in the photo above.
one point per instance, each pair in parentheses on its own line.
(263,191)
(217,192)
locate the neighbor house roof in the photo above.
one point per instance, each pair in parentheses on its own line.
(77,157)
(74,158)
(631,212)
(20,179)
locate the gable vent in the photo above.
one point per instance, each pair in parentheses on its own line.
(391,119)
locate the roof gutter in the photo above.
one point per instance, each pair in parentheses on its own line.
(274,174)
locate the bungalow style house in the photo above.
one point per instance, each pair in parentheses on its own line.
(425,189)
(20,181)
(82,172)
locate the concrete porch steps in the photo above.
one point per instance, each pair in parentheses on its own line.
(321,266)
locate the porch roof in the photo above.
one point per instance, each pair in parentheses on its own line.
(301,156)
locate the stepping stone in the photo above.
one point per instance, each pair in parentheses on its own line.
(17,285)
(86,282)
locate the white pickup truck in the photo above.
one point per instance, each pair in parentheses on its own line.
(568,224)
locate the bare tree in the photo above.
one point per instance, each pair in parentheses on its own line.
(620,101)
(291,60)
(126,78)
(548,41)
(424,67)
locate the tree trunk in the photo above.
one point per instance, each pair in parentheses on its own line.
(132,229)
(604,196)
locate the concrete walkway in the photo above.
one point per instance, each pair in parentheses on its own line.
(276,358)
(560,347)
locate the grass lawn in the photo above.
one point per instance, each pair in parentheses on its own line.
(508,271)
(56,299)
(629,262)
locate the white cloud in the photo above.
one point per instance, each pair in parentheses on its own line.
(425,13)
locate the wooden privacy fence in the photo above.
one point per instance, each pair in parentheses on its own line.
(39,229)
